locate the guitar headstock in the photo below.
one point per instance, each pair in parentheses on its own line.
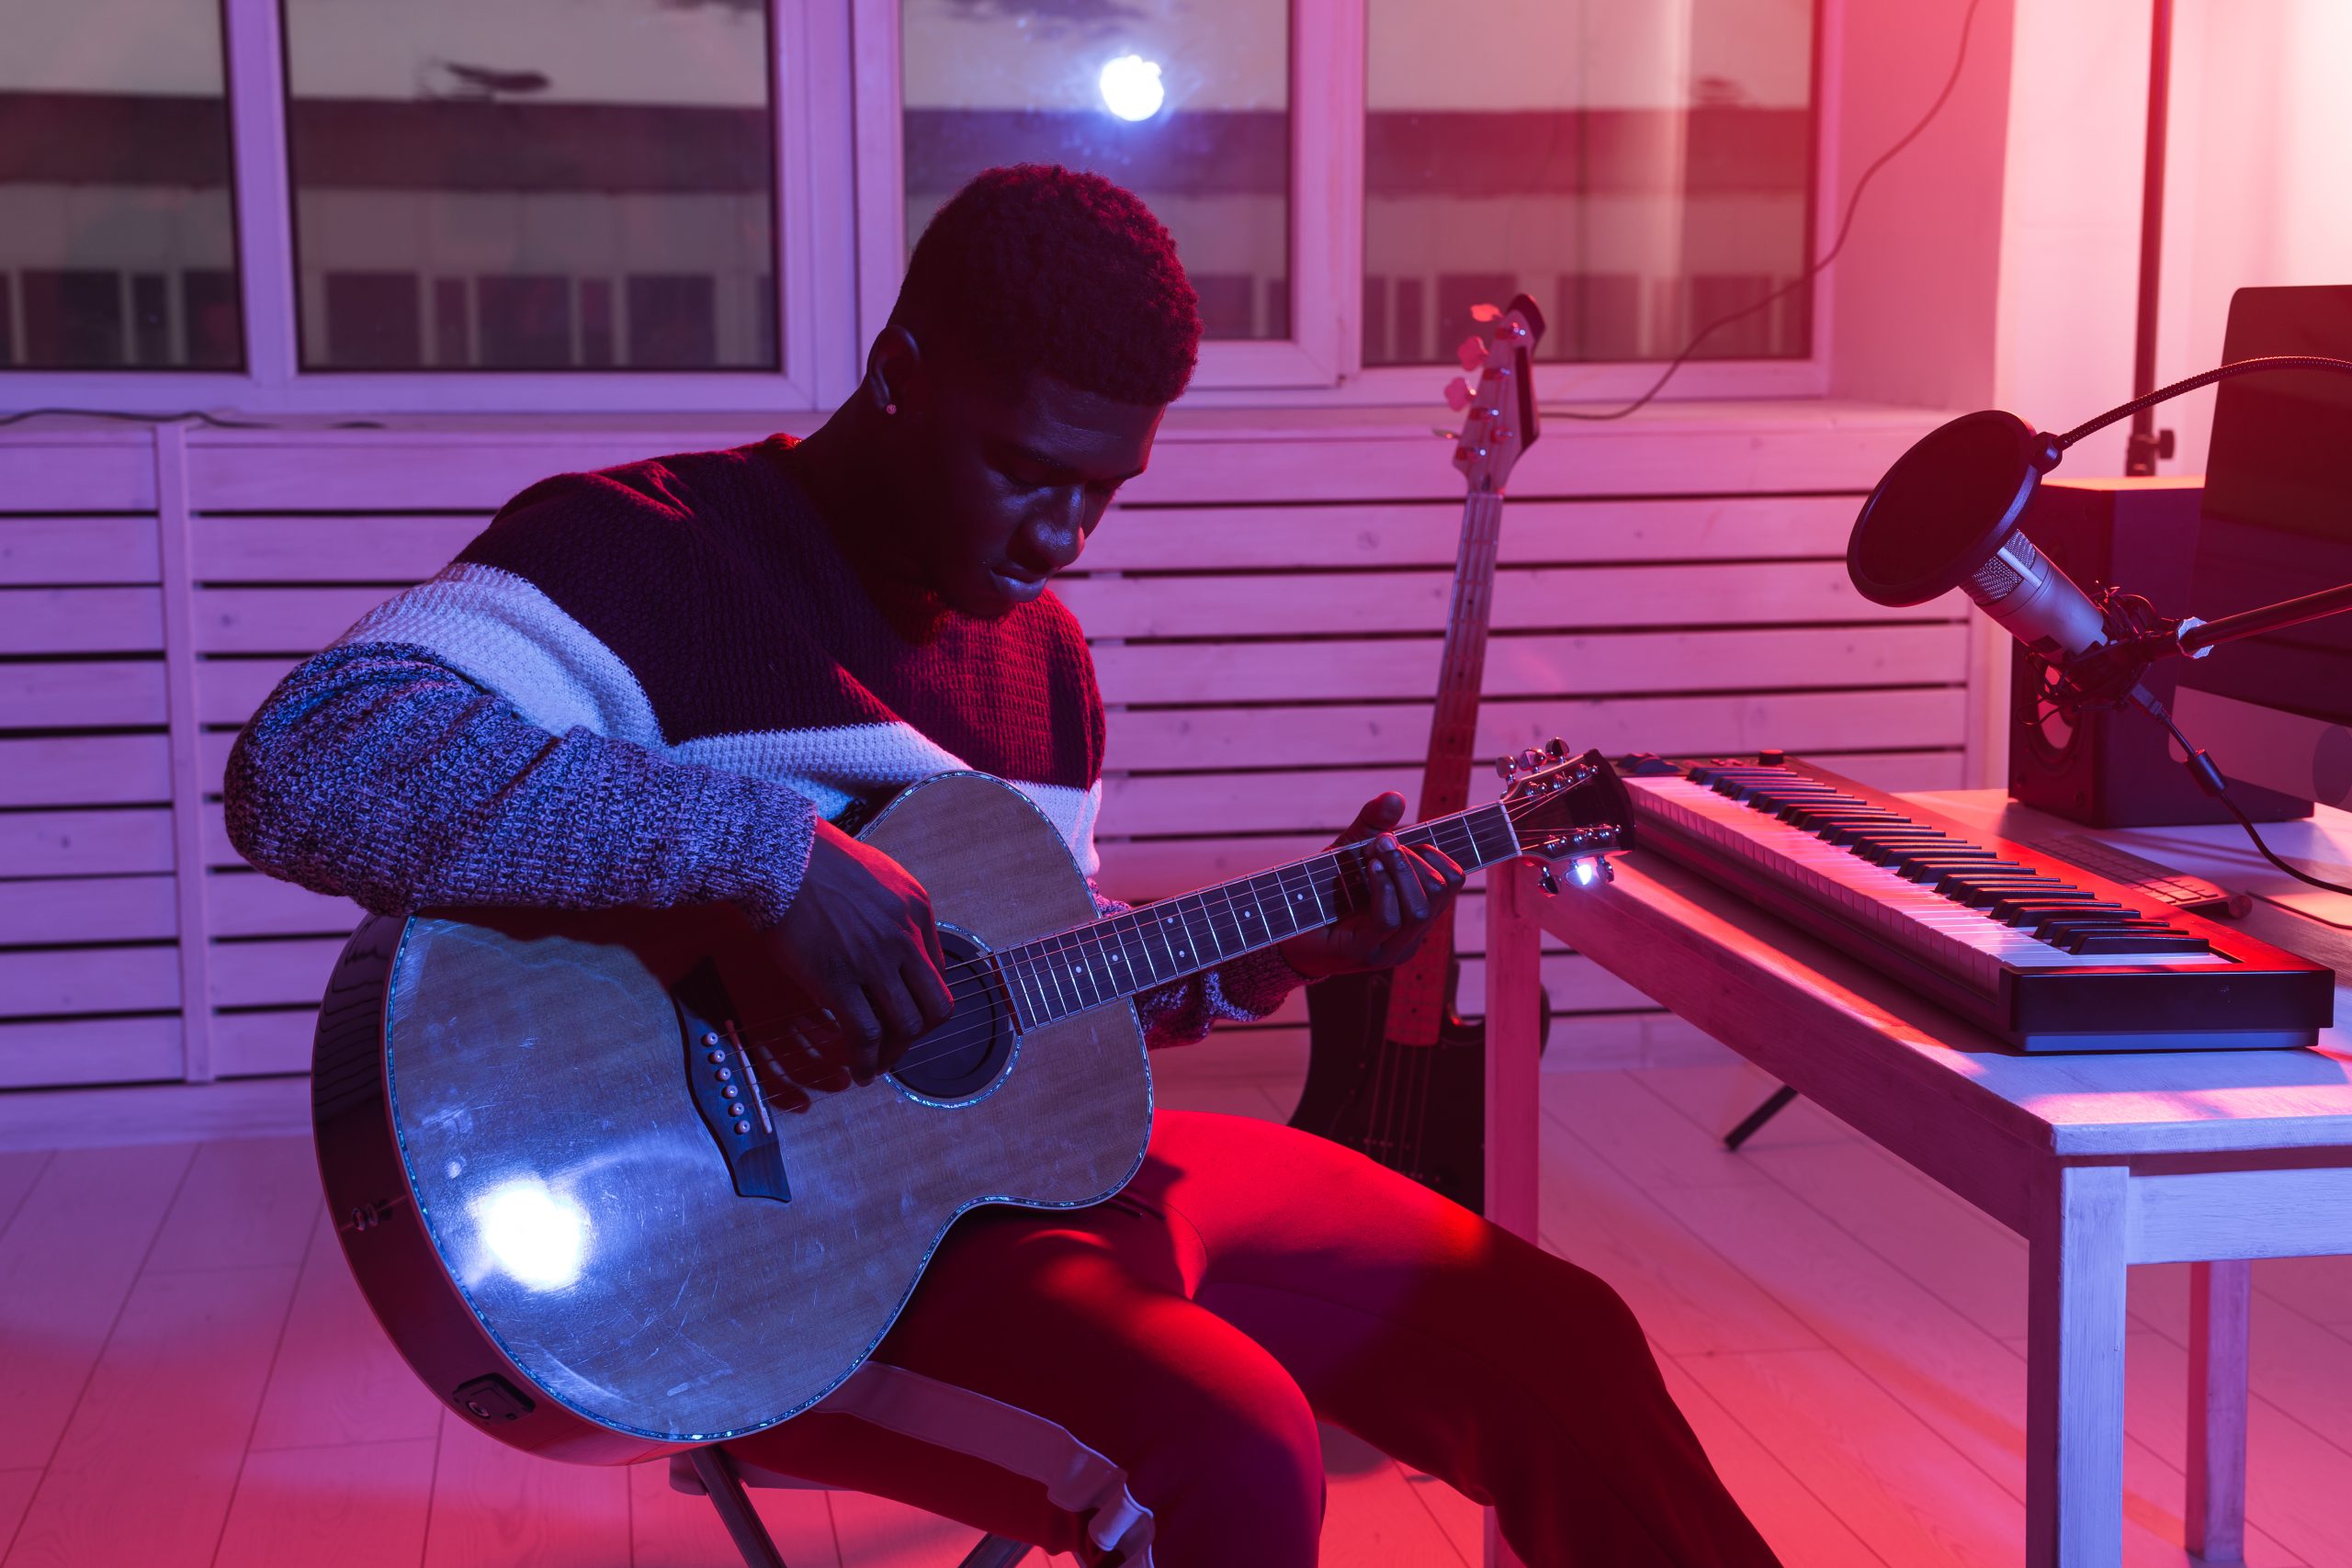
(1568,808)
(1498,409)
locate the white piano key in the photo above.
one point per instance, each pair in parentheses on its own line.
(1965,942)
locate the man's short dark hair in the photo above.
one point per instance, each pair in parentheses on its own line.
(1041,268)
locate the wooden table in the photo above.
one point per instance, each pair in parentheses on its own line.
(2101,1161)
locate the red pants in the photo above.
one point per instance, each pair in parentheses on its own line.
(1139,1381)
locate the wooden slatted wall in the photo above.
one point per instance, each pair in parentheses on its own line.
(1266,608)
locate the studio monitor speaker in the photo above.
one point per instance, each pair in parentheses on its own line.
(2115,768)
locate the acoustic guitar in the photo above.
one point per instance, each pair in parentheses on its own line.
(558,1178)
(1393,1068)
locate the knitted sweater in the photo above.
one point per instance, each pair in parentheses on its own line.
(641,687)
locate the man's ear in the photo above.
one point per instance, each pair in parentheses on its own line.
(892,370)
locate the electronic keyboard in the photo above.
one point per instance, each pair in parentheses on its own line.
(2044,953)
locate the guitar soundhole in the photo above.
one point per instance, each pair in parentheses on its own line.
(968,1053)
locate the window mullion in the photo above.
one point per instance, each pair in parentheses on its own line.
(881,161)
(1327,182)
(256,48)
(825,168)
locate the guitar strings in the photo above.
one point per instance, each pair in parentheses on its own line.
(982,971)
(989,964)
(988,970)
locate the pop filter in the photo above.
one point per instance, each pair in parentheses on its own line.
(1946,507)
(1946,516)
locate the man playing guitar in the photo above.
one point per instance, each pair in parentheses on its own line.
(688,679)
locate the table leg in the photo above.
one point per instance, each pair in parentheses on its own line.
(2073,1432)
(2221,1300)
(1513,1112)
(1514,978)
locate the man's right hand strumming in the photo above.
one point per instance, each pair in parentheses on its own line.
(858,940)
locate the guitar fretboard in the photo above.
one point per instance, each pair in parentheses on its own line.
(1110,959)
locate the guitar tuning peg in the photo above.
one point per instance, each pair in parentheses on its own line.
(1506,768)
(1485,313)
(1457,394)
(1546,881)
(1557,747)
(1530,759)
(1472,353)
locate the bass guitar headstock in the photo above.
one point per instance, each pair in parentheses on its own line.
(1565,809)
(1499,419)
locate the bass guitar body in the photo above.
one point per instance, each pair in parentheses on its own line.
(587,1246)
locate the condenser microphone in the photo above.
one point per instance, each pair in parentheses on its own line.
(1946,516)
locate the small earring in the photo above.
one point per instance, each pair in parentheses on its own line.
(890,407)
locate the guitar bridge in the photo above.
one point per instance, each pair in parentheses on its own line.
(725,1091)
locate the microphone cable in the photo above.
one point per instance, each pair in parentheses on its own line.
(2209,779)
(1844,229)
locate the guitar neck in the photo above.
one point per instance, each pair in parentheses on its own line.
(1453,726)
(1119,956)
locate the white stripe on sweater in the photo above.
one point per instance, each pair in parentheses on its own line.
(501,633)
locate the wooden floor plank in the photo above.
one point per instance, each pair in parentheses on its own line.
(353,1505)
(246,1203)
(16,1496)
(18,1170)
(146,1468)
(678,1529)
(2319,1288)
(2303,1368)
(1372,1517)
(1689,1299)
(498,1507)
(337,1379)
(1886,1475)
(1974,1265)
(874,1532)
(1644,1136)
(1798,1525)
(66,1266)
(1967,1386)
(2297,1483)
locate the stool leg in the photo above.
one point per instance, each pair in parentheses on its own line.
(996,1551)
(734,1506)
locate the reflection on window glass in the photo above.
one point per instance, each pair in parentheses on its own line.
(1184,102)
(1640,170)
(532,185)
(117,243)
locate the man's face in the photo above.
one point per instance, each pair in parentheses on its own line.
(1002,485)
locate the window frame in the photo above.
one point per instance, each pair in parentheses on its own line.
(812,198)
(840,214)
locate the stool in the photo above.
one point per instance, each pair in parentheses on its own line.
(718,1476)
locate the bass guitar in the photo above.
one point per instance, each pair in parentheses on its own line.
(549,1143)
(1393,1068)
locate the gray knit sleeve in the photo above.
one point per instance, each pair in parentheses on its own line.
(1241,990)
(377,771)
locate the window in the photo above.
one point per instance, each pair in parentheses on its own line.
(532,185)
(619,205)
(117,245)
(1640,170)
(1185,104)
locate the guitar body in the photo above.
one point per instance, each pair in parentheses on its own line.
(562,1229)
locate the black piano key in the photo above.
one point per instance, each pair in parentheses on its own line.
(2102,942)
(2031,908)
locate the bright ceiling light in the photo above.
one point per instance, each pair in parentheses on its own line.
(1131,87)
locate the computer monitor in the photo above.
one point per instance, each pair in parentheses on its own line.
(2277,710)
